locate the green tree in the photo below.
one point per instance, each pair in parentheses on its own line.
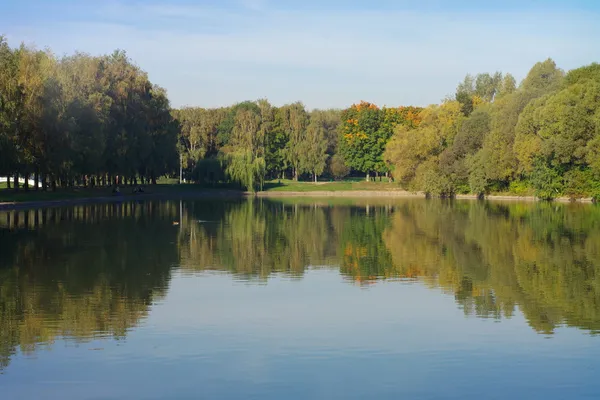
(497,153)
(11,99)
(337,167)
(313,151)
(415,153)
(294,123)
(245,152)
(360,142)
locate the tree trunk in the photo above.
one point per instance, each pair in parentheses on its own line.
(26,182)
(53,183)
(8,185)
(134,180)
(295,175)
(315,178)
(44,182)
(16,181)
(36,179)
(368,176)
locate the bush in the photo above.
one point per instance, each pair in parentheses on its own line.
(578,183)
(430,180)
(546,180)
(520,188)
(337,167)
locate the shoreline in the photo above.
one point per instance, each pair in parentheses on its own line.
(408,194)
(211,193)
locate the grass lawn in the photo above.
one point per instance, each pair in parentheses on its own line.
(282,185)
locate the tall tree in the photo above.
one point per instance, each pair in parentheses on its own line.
(313,149)
(11,107)
(358,135)
(245,152)
(295,121)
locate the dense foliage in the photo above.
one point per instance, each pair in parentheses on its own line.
(252,141)
(542,136)
(83,120)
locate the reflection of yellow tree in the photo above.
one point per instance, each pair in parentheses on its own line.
(94,270)
(363,255)
(493,257)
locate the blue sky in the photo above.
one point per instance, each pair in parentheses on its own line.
(327,53)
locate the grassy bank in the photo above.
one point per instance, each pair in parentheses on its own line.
(282,185)
(167,187)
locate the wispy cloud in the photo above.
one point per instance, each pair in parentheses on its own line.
(210,55)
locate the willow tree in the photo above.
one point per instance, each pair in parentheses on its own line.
(245,153)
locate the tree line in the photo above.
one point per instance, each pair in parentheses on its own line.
(87,120)
(253,141)
(542,135)
(493,135)
(81,120)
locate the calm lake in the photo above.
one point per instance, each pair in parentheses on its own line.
(301,299)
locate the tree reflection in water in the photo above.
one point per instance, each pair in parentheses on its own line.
(94,271)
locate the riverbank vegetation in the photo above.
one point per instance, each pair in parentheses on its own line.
(89,121)
(495,136)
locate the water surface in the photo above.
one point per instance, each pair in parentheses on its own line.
(300,298)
